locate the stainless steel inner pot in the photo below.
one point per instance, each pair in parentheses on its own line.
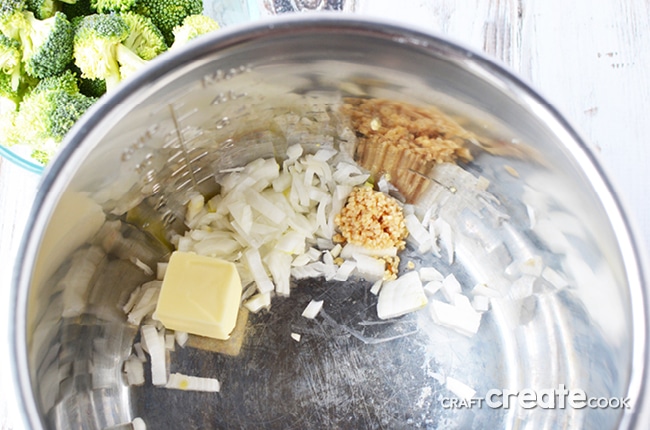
(223,102)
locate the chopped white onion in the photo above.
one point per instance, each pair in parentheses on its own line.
(484,290)
(161,268)
(417,233)
(312,309)
(258,302)
(145,303)
(451,287)
(554,278)
(462,319)
(138,424)
(432,287)
(279,263)
(345,270)
(532,266)
(254,263)
(156,347)
(134,370)
(296,337)
(169,341)
(350,251)
(376,287)
(481,303)
(430,274)
(401,296)
(133,298)
(181,338)
(291,242)
(139,352)
(522,287)
(194,207)
(180,381)
(370,267)
(445,233)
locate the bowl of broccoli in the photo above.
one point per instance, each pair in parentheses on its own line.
(59,57)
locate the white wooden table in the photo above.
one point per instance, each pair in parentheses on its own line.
(591,59)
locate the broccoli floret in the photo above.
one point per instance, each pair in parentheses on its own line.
(92,87)
(144,37)
(129,61)
(106,6)
(193,26)
(47,113)
(168,14)
(111,47)
(43,9)
(12,18)
(9,97)
(10,60)
(66,81)
(47,45)
(88,87)
(95,47)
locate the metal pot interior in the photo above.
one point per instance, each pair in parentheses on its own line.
(230,99)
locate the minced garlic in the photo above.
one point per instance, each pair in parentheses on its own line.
(372,219)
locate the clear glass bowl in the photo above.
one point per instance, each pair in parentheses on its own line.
(21,158)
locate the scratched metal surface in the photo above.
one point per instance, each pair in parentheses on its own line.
(590,59)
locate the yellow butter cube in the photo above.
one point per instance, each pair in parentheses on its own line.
(199,295)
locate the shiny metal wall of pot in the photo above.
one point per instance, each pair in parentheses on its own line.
(223,102)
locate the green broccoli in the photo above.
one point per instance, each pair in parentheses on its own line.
(168,14)
(95,47)
(9,97)
(88,87)
(43,9)
(10,60)
(12,18)
(193,26)
(47,45)
(66,81)
(106,6)
(92,87)
(113,46)
(48,112)
(144,37)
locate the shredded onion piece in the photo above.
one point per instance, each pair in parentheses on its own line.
(161,268)
(312,309)
(258,302)
(180,381)
(181,338)
(345,270)
(370,267)
(451,287)
(401,296)
(296,337)
(156,347)
(254,262)
(430,274)
(138,424)
(376,287)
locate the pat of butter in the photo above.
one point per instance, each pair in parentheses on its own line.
(199,295)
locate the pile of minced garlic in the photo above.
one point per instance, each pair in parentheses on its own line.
(375,221)
(371,219)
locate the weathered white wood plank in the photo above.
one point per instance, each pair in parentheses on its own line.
(17,190)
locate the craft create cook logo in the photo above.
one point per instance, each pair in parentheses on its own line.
(552,398)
